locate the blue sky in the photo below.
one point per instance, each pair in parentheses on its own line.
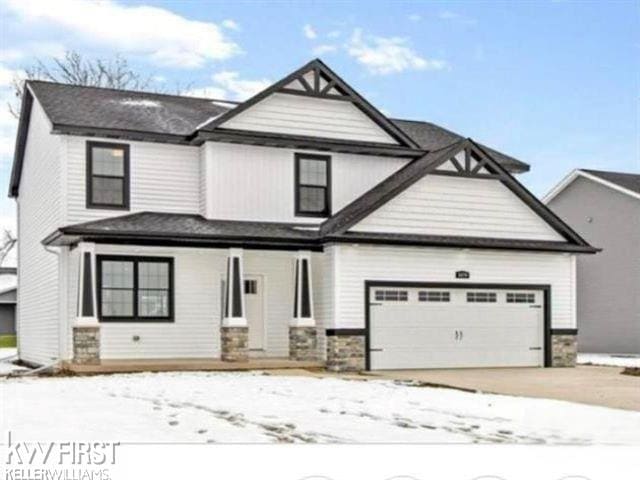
(553,83)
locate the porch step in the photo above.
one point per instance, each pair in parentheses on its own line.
(188,365)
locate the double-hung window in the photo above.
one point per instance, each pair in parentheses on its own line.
(107,175)
(136,289)
(313,185)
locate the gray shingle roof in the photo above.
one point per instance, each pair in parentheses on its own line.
(103,108)
(73,105)
(433,137)
(195,226)
(153,228)
(630,181)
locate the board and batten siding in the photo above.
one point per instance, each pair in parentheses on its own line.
(447,205)
(39,214)
(164,178)
(356,264)
(311,117)
(245,182)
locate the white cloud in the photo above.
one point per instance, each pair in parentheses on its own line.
(230,24)
(322,49)
(238,88)
(414,17)
(387,55)
(334,34)
(32,49)
(229,86)
(168,38)
(309,32)
(456,17)
(7,75)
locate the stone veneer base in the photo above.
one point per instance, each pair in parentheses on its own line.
(235,344)
(564,350)
(86,345)
(346,353)
(303,343)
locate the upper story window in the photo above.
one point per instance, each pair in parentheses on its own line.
(313,185)
(107,175)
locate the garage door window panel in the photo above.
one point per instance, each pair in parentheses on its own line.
(482,297)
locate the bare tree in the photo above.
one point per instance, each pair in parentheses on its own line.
(7,243)
(75,69)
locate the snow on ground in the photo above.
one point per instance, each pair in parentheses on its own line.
(7,356)
(257,408)
(608,359)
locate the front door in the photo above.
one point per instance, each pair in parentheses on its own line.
(253,297)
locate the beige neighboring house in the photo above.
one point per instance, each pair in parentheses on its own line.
(604,208)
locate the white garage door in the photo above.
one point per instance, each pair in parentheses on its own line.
(455,328)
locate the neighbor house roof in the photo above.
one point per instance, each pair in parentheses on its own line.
(627,183)
(133,115)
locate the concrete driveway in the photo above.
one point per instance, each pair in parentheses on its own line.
(603,386)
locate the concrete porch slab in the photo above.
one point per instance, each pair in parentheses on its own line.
(603,386)
(188,365)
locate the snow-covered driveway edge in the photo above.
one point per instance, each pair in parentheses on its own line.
(251,407)
(609,360)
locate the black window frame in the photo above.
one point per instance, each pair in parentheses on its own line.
(136,260)
(298,157)
(90,175)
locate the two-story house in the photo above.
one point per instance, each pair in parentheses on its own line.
(302,223)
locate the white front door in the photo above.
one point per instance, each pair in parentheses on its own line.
(253,298)
(456,327)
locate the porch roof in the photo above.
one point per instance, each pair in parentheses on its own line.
(153,228)
(188,230)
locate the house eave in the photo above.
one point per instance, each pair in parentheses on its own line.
(302,142)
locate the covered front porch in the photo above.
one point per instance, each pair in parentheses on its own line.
(169,307)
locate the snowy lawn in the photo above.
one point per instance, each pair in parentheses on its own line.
(255,407)
(7,356)
(609,360)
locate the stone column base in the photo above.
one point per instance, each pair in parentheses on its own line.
(235,344)
(86,345)
(303,343)
(564,350)
(345,353)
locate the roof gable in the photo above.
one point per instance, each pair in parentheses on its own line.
(626,183)
(317,84)
(446,161)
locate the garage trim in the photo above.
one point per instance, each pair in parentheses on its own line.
(546,289)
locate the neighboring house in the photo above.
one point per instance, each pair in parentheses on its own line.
(302,223)
(604,207)
(8,287)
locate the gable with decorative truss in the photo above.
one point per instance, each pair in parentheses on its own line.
(313,102)
(463,194)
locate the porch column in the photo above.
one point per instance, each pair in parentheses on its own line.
(234,330)
(302,329)
(86,329)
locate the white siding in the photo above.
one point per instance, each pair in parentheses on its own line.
(164,178)
(357,264)
(308,116)
(257,183)
(39,214)
(444,205)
